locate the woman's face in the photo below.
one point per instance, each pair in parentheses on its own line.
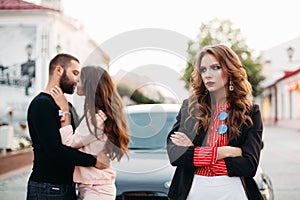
(79,88)
(212,74)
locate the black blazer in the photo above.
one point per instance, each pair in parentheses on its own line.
(250,140)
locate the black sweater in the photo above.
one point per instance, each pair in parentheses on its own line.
(53,161)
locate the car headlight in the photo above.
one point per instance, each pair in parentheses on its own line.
(167,184)
(265,193)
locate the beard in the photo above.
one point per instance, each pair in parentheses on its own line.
(66,85)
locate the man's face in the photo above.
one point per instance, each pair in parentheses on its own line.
(70,77)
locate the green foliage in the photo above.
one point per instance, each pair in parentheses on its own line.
(140,98)
(123,90)
(223,32)
(136,95)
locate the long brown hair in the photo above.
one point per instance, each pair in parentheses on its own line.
(101,94)
(200,103)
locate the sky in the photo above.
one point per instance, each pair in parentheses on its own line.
(263,23)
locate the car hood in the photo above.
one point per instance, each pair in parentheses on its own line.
(150,170)
(145,170)
(143,161)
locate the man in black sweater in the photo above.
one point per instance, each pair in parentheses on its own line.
(53,165)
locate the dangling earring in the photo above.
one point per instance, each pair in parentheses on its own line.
(205,92)
(231,88)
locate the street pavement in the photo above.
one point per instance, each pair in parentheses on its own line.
(280,160)
(13,184)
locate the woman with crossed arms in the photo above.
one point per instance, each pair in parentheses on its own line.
(216,141)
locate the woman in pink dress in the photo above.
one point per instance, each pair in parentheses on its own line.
(102,130)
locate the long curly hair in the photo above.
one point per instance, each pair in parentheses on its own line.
(101,94)
(200,102)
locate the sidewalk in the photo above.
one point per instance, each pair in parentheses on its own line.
(295,124)
(288,123)
(15,169)
(13,185)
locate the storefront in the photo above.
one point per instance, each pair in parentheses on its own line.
(281,100)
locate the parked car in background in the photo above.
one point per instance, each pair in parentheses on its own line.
(147,174)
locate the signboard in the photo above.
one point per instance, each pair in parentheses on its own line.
(292,86)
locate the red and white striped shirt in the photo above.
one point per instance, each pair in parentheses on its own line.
(205,158)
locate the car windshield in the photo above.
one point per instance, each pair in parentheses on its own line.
(150,130)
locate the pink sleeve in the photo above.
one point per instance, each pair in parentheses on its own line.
(205,156)
(70,139)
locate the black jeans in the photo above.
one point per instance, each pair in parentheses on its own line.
(50,191)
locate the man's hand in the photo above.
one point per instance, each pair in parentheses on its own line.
(103,161)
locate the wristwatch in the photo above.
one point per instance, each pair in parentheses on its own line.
(63,115)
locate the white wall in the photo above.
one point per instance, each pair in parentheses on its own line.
(51,28)
(278,57)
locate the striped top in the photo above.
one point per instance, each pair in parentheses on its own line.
(205,157)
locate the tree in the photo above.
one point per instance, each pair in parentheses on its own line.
(135,96)
(217,31)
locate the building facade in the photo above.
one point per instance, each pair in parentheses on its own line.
(47,31)
(31,35)
(280,99)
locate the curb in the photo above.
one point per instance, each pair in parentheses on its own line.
(15,172)
(15,160)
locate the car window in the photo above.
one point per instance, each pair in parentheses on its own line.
(149,130)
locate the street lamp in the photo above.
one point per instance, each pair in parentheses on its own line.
(58,49)
(290,52)
(28,68)
(29,51)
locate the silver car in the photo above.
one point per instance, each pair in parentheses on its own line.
(147,174)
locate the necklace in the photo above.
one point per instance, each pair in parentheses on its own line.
(223,127)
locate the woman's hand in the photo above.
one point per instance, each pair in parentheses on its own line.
(59,98)
(181,139)
(229,151)
(101,117)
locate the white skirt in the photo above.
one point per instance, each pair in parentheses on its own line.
(217,188)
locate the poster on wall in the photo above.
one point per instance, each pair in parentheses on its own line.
(17,71)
